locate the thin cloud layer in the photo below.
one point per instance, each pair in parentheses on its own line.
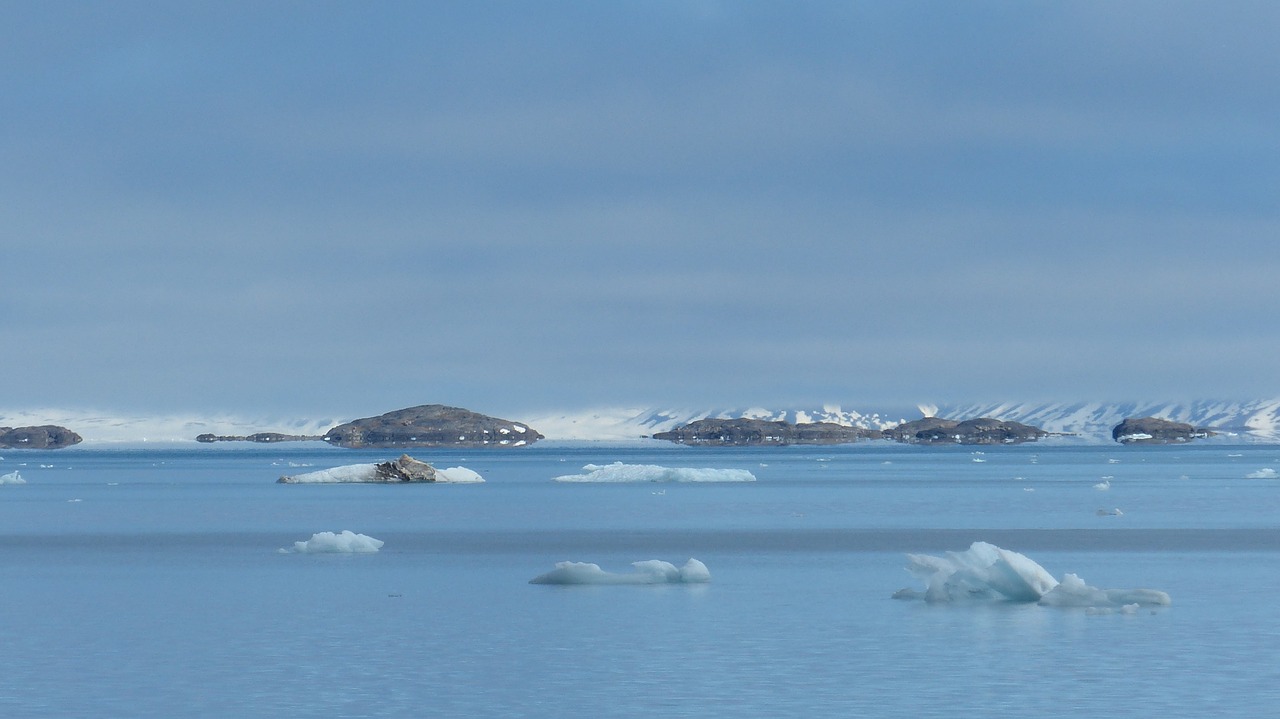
(346,208)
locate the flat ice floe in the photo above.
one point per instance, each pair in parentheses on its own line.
(985,572)
(344,542)
(650,571)
(619,472)
(12,478)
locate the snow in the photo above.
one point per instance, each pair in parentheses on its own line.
(12,478)
(619,472)
(1135,437)
(344,542)
(985,572)
(649,571)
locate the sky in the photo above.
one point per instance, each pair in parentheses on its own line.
(351,207)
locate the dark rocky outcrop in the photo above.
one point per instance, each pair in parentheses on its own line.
(46,436)
(265,437)
(743,432)
(431,425)
(1153,430)
(982,430)
(406,469)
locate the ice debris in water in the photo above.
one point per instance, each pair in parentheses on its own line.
(12,478)
(345,541)
(619,472)
(650,571)
(1264,473)
(987,572)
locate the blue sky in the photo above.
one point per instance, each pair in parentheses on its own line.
(513,206)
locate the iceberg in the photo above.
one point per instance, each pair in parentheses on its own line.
(649,571)
(619,472)
(404,469)
(458,475)
(348,473)
(985,572)
(1073,592)
(344,542)
(12,478)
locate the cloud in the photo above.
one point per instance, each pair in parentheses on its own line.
(571,205)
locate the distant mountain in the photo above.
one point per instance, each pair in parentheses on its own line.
(1243,421)
(633,422)
(1250,421)
(1253,421)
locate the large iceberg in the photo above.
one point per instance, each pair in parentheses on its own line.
(404,469)
(619,472)
(987,572)
(344,542)
(650,571)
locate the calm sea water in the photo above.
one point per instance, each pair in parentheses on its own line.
(149,583)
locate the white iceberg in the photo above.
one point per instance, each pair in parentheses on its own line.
(986,572)
(344,542)
(650,571)
(12,478)
(1264,473)
(1073,592)
(619,472)
(458,475)
(347,473)
(406,469)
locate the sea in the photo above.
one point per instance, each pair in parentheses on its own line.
(184,581)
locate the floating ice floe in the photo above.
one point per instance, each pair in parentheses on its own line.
(1104,485)
(1264,473)
(404,469)
(650,571)
(12,478)
(619,472)
(344,542)
(985,572)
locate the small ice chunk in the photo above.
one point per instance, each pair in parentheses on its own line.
(345,541)
(649,571)
(619,472)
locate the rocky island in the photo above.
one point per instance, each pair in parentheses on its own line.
(746,432)
(431,425)
(43,437)
(264,437)
(982,430)
(1153,430)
